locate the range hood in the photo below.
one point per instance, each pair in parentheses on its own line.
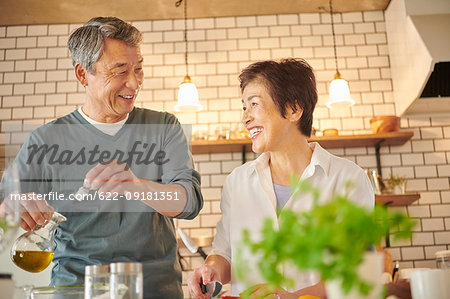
(418,35)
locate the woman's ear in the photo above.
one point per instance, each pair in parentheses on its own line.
(294,115)
(81,74)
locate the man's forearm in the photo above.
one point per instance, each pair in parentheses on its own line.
(167,199)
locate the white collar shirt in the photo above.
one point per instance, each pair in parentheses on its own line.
(248,198)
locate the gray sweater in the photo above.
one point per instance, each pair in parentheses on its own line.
(56,157)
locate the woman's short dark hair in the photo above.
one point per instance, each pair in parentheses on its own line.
(290,82)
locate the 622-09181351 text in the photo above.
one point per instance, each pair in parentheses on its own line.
(151,195)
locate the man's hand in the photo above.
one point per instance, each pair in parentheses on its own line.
(33,211)
(112,177)
(116,177)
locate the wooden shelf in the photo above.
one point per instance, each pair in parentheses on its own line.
(230,146)
(396,200)
(221,146)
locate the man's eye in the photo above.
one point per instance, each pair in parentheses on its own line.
(254,104)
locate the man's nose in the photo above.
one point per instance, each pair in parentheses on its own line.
(134,81)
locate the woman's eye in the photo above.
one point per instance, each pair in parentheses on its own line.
(254,104)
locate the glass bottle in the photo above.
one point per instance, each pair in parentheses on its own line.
(126,281)
(96,281)
(33,251)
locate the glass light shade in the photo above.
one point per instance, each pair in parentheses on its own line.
(188,97)
(339,93)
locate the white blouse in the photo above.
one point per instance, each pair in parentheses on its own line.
(248,198)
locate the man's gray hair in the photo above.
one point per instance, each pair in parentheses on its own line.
(86,43)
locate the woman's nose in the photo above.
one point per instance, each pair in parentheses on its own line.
(246,117)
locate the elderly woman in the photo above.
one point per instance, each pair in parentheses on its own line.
(278,103)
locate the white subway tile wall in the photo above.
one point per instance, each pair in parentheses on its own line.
(38,85)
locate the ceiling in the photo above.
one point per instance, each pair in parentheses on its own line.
(20,12)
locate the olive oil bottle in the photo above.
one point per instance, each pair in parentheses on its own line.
(32,261)
(33,251)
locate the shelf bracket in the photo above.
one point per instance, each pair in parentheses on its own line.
(387,238)
(377,155)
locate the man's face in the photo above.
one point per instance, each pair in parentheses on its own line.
(112,90)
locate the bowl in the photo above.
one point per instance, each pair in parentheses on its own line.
(330,132)
(383,124)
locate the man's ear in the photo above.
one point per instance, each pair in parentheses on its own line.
(81,74)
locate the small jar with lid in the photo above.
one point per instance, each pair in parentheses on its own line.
(443,259)
(96,281)
(126,281)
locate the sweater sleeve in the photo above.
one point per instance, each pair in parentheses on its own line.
(179,169)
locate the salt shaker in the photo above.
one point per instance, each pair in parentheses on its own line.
(126,281)
(96,282)
(443,259)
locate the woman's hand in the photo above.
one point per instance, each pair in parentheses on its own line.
(202,275)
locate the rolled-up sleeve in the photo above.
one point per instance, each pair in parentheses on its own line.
(221,244)
(362,192)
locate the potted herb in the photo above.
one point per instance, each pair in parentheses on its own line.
(396,184)
(332,239)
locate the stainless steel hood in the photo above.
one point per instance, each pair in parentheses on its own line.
(418,38)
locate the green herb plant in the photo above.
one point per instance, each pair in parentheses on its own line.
(331,239)
(394,181)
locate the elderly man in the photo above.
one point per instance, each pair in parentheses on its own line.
(134,164)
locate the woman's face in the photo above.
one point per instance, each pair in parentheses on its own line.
(268,129)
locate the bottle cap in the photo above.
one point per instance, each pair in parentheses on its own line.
(129,268)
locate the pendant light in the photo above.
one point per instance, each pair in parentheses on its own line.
(187,92)
(339,90)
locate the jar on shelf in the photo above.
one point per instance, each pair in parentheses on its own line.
(443,259)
